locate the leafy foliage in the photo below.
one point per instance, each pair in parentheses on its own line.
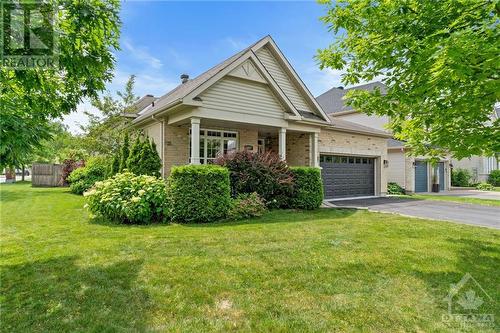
(199,193)
(484,187)
(125,151)
(460,177)
(127,198)
(263,173)
(81,179)
(439,61)
(494,178)
(144,158)
(104,131)
(31,98)
(69,165)
(394,188)
(247,205)
(307,188)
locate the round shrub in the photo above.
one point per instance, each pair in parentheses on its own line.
(263,173)
(127,198)
(82,179)
(460,177)
(307,188)
(247,205)
(484,187)
(394,188)
(494,178)
(199,193)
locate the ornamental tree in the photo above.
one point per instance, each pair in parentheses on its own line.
(439,61)
(88,31)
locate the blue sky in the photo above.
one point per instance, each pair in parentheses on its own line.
(162,39)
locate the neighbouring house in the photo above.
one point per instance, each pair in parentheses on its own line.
(255,100)
(413,173)
(480,167)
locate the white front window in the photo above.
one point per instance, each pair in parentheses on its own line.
(214,143)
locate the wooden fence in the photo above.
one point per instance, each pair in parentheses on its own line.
(43,174)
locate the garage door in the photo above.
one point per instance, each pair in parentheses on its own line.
(421,179)
(347,176)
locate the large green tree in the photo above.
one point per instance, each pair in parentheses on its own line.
(104,131)
(88,31)
(439,60)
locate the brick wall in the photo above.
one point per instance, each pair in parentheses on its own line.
(297,148)
(176,147)
(341,143)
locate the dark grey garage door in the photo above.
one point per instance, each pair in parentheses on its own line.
(421,179)
(347,176)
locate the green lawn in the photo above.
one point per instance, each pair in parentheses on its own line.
(327,270)
(477,201)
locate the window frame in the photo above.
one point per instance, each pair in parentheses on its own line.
(219,135)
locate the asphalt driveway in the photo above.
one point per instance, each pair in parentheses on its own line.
(465,213)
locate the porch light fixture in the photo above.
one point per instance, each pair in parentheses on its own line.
(386,163)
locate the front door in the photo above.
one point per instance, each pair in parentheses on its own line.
(421,178)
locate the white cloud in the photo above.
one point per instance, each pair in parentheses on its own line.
(77,118)
(318,81)
(142,54)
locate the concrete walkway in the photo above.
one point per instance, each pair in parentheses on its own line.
(485,216)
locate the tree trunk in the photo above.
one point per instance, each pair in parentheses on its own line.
(22,175)
(10,175)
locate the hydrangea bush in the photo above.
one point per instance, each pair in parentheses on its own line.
(127,198)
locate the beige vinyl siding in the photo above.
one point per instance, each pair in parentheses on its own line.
(242,96)
(154,132)
(279,75)
(396,170)
(373,121)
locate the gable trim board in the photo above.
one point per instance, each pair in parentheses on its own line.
(186,94)
(257,93)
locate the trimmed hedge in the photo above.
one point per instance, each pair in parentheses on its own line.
(494,178)
(460,177)
(199,193)
(307,188)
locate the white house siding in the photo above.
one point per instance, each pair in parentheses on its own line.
(377,122)
(479,166)
(242,96)
(283,80)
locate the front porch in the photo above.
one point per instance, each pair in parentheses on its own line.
(200,141)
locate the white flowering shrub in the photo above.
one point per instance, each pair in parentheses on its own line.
(127,198)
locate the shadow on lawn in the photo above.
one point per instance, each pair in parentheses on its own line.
(58,295)
(8,195)
(274,216)
(476,257)
(282,216)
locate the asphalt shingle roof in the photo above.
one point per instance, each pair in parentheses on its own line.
(332,100)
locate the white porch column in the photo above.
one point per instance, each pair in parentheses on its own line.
(314,150)
(195,140)
(282,143)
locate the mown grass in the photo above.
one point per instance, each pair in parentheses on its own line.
(477,201)
(326,270)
